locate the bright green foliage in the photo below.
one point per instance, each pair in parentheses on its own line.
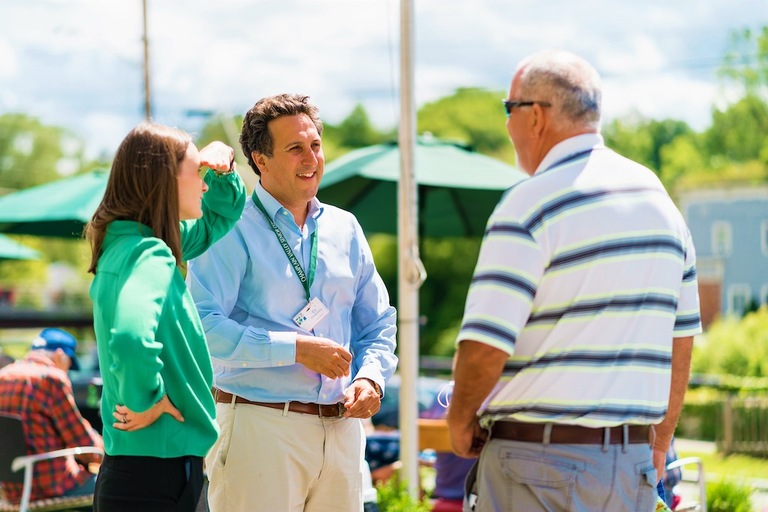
(740,131)
(681,156)
(357,131)
(647,141)
(735,347)
(728,496)
(449,263)
(393,496)
(473,116)
(32,153)
(746,61)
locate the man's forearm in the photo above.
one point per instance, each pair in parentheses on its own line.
(681,371)
(476,370)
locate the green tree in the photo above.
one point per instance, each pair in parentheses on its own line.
(735,346)
(357,131)
(642,139)
(746,60)
(740,131)
(470,115)
(32,153)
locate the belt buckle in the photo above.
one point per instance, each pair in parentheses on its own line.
(339,411)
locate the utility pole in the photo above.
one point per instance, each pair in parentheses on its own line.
(145,39)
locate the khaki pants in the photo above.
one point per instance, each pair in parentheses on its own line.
(267,460)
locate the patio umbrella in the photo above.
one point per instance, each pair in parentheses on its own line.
(13,250)
(457,188)
(59,208)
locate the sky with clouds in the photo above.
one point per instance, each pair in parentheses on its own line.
(79,63)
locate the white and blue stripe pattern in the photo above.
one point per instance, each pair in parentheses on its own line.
(586,274)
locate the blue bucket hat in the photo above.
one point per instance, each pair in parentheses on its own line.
(52,339)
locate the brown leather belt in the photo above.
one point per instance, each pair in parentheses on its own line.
(570,434)
(336,410)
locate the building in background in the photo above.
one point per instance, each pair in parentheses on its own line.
(730,231)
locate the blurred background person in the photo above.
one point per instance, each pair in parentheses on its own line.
(37,388)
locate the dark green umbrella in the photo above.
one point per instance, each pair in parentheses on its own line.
(60,208)
(457,187)
(13,250)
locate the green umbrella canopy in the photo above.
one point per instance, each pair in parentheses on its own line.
(457,188)
(60,208)
(13,250)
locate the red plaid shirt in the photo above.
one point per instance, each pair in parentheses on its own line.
(41,394)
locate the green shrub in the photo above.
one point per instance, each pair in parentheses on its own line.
(735,346)
(728,496)
(394,497)
(700,419)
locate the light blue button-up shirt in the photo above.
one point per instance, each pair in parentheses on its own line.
(247,294)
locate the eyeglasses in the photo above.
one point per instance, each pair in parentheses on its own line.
(509,106)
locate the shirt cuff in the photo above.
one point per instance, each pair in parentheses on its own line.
(283,347)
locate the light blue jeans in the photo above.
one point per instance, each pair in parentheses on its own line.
(533,477)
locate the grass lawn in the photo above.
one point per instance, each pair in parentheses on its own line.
(731,466)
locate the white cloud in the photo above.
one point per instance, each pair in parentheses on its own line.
(78,63)
(8,65)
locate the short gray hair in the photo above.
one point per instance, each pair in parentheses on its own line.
(569,82)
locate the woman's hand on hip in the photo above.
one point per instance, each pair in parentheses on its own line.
(128,420)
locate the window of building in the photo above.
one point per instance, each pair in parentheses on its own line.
(722,238)
(739,299)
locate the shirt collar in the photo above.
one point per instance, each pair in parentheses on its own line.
(272,206)
(568,147)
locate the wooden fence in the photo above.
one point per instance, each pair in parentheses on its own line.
(744,427)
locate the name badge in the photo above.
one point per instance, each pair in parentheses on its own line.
(310,314)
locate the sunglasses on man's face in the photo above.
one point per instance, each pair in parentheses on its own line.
(509,106)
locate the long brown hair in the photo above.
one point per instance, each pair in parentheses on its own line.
(142,187)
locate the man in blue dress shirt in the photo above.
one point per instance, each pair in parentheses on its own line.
(300,328)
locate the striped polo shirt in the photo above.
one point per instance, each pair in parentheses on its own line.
(586,274)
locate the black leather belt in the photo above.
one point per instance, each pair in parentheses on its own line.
(336,410)
(570,434)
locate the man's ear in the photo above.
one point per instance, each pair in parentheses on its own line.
(61,359)
(260,160)
(538,120)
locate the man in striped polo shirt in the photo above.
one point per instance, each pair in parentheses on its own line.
(574,352)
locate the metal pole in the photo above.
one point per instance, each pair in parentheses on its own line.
(145,40)
(410,270)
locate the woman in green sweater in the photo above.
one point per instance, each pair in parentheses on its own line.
(158,211)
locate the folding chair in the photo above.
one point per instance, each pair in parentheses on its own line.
(699,505)
(14,458)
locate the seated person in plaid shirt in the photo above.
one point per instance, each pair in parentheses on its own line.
(38,389)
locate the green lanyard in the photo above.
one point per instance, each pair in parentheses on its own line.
(305,282)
